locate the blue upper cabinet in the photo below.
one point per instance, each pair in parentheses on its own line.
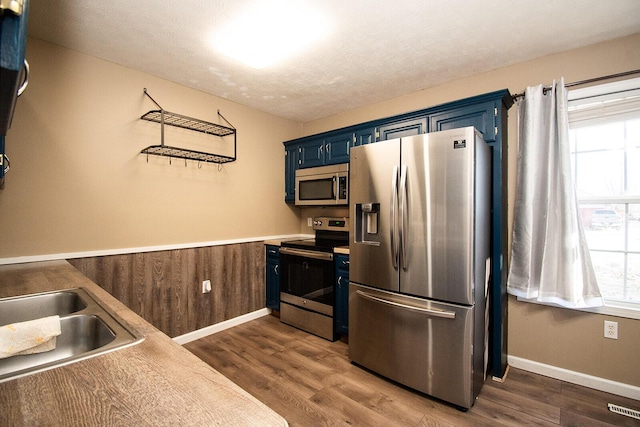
(13,67)
(403,128)
(481,116)
(13,40)
(290,166)
(311,153)
(328,150)
(337,148)
(365,135)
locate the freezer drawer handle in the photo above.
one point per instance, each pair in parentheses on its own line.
(324,256)
(428,311)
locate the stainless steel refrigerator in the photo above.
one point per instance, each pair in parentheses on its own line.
(419,261)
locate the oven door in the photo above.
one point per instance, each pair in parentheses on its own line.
(307,279)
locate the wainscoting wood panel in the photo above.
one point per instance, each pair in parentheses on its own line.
(165,287)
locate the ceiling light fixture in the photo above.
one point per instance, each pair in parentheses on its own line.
(266,32)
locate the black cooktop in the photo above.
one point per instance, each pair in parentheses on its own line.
(325,241)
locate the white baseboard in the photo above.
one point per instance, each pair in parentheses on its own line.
(602,384)
(218,327)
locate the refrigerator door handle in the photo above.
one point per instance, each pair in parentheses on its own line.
(394,220)
(404,216)
(428,311)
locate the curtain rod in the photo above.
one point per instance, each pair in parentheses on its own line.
(584,82)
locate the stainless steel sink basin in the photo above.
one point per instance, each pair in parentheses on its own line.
(29,307)
(88,329)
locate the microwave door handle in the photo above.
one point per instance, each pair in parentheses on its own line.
(335,187)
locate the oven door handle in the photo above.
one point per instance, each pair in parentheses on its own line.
(324,256)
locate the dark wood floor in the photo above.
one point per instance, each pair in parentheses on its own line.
(311,382)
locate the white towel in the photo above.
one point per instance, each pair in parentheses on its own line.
(33,336)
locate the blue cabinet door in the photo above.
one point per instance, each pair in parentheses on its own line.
(342,294)
(481,116)
(400,129)
(273,277)
(290,167)
(13,41)
(365,136)
(311,153)
(337,148)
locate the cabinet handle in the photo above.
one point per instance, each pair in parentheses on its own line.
(25,82)
(339,280)
(345,262)
(5,163)
(275,268)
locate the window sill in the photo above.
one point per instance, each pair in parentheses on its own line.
(610,309)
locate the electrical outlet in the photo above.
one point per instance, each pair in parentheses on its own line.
(611,329)
(206,286)
(309,222)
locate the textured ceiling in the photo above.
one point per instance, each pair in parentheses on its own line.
(375,50)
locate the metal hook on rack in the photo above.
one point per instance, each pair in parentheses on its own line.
(199,164)
(219,167)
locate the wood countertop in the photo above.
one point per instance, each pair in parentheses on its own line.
(153,383)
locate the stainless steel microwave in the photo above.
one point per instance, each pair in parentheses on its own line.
(323,186)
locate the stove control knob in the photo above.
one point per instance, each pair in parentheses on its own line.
(318,222)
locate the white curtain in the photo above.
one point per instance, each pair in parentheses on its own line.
(550,259)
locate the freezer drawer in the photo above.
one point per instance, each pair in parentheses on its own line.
(424,345)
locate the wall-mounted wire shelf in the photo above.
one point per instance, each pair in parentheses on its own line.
(181,153)
(165,117)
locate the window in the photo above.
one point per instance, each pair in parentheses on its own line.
(605,154)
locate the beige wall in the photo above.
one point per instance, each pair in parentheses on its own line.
(78,183)
(563,338)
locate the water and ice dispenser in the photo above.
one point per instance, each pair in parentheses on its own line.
(367,223)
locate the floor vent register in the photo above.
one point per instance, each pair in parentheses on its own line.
(624,411)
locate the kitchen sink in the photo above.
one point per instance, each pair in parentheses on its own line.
(88,329)
(29,307)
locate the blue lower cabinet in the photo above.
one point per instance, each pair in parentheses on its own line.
(273,277)
(342,294)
